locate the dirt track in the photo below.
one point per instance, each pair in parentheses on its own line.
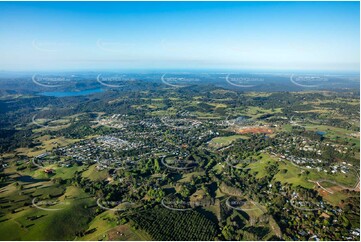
(255,130)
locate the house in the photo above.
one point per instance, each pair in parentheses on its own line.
(49,171)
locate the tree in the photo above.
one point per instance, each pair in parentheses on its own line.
(156,166)
(184,191)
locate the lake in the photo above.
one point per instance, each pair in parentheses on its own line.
(320,132)
(71,94)
(29,179)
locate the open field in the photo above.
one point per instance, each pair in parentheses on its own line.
(32,223)
(95,175)
(298,176)
(225,140)
(335,133)
(255,130)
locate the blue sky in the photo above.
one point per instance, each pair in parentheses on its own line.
(180,35)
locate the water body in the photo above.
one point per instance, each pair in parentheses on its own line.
(71,94)
(29,179)
(320,132)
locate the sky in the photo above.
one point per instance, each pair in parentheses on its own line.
(180,35)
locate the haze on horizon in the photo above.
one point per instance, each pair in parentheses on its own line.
(180,35)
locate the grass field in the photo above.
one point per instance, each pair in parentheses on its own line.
(32,223)
(256,112)
(47,144)
(335,198)
(298,176)
(187,177)
(94,175)
(334,133)
(225,140)
(101,224)
(252,210)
